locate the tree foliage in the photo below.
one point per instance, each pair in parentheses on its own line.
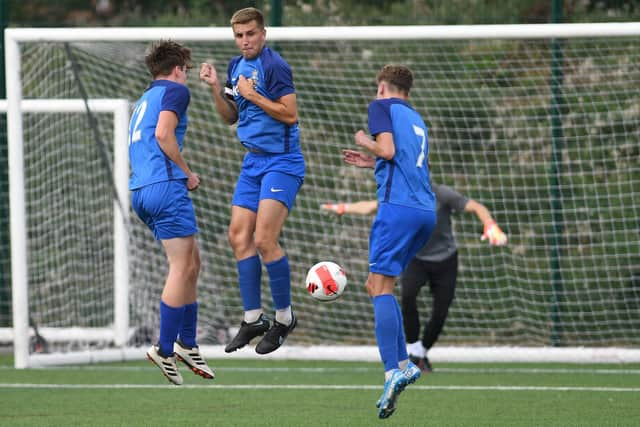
(313,12)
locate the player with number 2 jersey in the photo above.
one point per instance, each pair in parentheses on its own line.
(149,164)
(160,184)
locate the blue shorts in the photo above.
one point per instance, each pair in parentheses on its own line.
(397,234)
(269,176)
(166,208)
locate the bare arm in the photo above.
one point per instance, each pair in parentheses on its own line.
(225,107)
(479,210)
(363,207)
(284,109)
(383,146)
(492,231)
(166,136)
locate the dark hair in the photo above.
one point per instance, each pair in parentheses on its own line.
(247,15)
(398,76)
(164,55)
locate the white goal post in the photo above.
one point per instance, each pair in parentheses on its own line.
(119,333)
(565,289)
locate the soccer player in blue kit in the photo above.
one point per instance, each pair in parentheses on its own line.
(259,95)
(436,263)
(405,218)
(160,182)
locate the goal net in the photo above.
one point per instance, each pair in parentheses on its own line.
(540,123)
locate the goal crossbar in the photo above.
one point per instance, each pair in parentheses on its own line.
(390,32)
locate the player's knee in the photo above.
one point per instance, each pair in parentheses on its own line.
(232,237)
(265,244)
(182,268)
(371,290)
(237,239)
(195,266)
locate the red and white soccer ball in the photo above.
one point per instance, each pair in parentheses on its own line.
(326,281)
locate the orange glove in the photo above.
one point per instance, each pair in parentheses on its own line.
(494,234)
(337,208)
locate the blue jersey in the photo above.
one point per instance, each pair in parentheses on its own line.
(403,180)
(149,164)
(256,129)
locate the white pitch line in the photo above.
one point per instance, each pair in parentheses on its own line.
(316,387)
(535,371)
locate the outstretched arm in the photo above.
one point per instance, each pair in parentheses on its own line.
(363,207)
(225,107)
(492,232)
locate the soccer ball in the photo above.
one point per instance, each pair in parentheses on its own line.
(326,281)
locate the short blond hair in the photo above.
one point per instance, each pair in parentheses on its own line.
(246,15)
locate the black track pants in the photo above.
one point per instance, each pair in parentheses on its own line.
(442,282)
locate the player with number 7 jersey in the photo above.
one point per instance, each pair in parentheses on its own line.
(403,180)
(405,219)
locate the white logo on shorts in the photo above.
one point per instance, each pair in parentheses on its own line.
(276,190)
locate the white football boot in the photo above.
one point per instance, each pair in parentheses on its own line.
(166,364)
(194,360)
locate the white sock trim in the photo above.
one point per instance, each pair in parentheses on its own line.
(284,316)
(252,315)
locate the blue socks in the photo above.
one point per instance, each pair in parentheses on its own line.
(249,278)
(190,320)
(402,342)
(280,282)
(388,327)
(171,319)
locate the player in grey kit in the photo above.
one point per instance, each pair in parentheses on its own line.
(436,262)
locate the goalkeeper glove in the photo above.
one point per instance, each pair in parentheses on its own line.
(494,234)
(338,208)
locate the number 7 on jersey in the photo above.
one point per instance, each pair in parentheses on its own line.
(420,132)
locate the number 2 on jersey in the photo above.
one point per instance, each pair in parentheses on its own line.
(134,133)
